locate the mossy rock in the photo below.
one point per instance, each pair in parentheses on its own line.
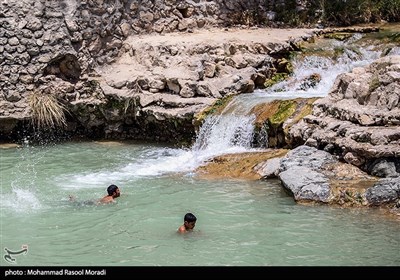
(275,112)
(216,108)
(284,66)
(286,108)
(237,165)
(272,116)
(374,84)
(278,77)
(341,36)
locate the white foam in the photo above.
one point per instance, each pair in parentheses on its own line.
(20,200)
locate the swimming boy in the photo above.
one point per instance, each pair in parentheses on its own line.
(189,222)
(113,192)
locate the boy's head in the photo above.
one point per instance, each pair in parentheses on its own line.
(113,190)
(189,221)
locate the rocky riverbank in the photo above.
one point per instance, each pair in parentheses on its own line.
(347,150)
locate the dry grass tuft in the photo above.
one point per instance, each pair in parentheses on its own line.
(47,111)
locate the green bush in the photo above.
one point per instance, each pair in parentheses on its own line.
(350,12)
(390,10)
(340,12)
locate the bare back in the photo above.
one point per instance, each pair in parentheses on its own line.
(107,199)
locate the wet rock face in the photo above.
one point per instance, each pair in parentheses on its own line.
(360,118)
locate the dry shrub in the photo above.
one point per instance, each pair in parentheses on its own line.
(47,111)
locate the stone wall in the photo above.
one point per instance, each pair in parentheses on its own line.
(36,36)
(67,39)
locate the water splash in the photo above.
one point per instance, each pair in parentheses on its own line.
(20,191)
(20,200)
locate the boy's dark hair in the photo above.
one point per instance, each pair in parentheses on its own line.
(189,217)
(111,189)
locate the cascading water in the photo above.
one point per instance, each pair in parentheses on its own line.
(224,134)
(232,130)
(325,67)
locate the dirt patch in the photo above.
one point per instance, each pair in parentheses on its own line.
(218,36)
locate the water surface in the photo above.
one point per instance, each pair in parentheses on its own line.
(240,223)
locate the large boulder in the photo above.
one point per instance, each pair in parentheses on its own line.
(313,175)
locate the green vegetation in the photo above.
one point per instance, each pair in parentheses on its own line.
(395,37)
(214,109)
(278,77)
(387,35)
(384,40)
(47,111)
(374,84)
(341,36)
(283,68)
(327,12)
(285,110)
(338,52)
(342,12)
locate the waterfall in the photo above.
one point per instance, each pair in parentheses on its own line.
(224,133)
(233,130)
